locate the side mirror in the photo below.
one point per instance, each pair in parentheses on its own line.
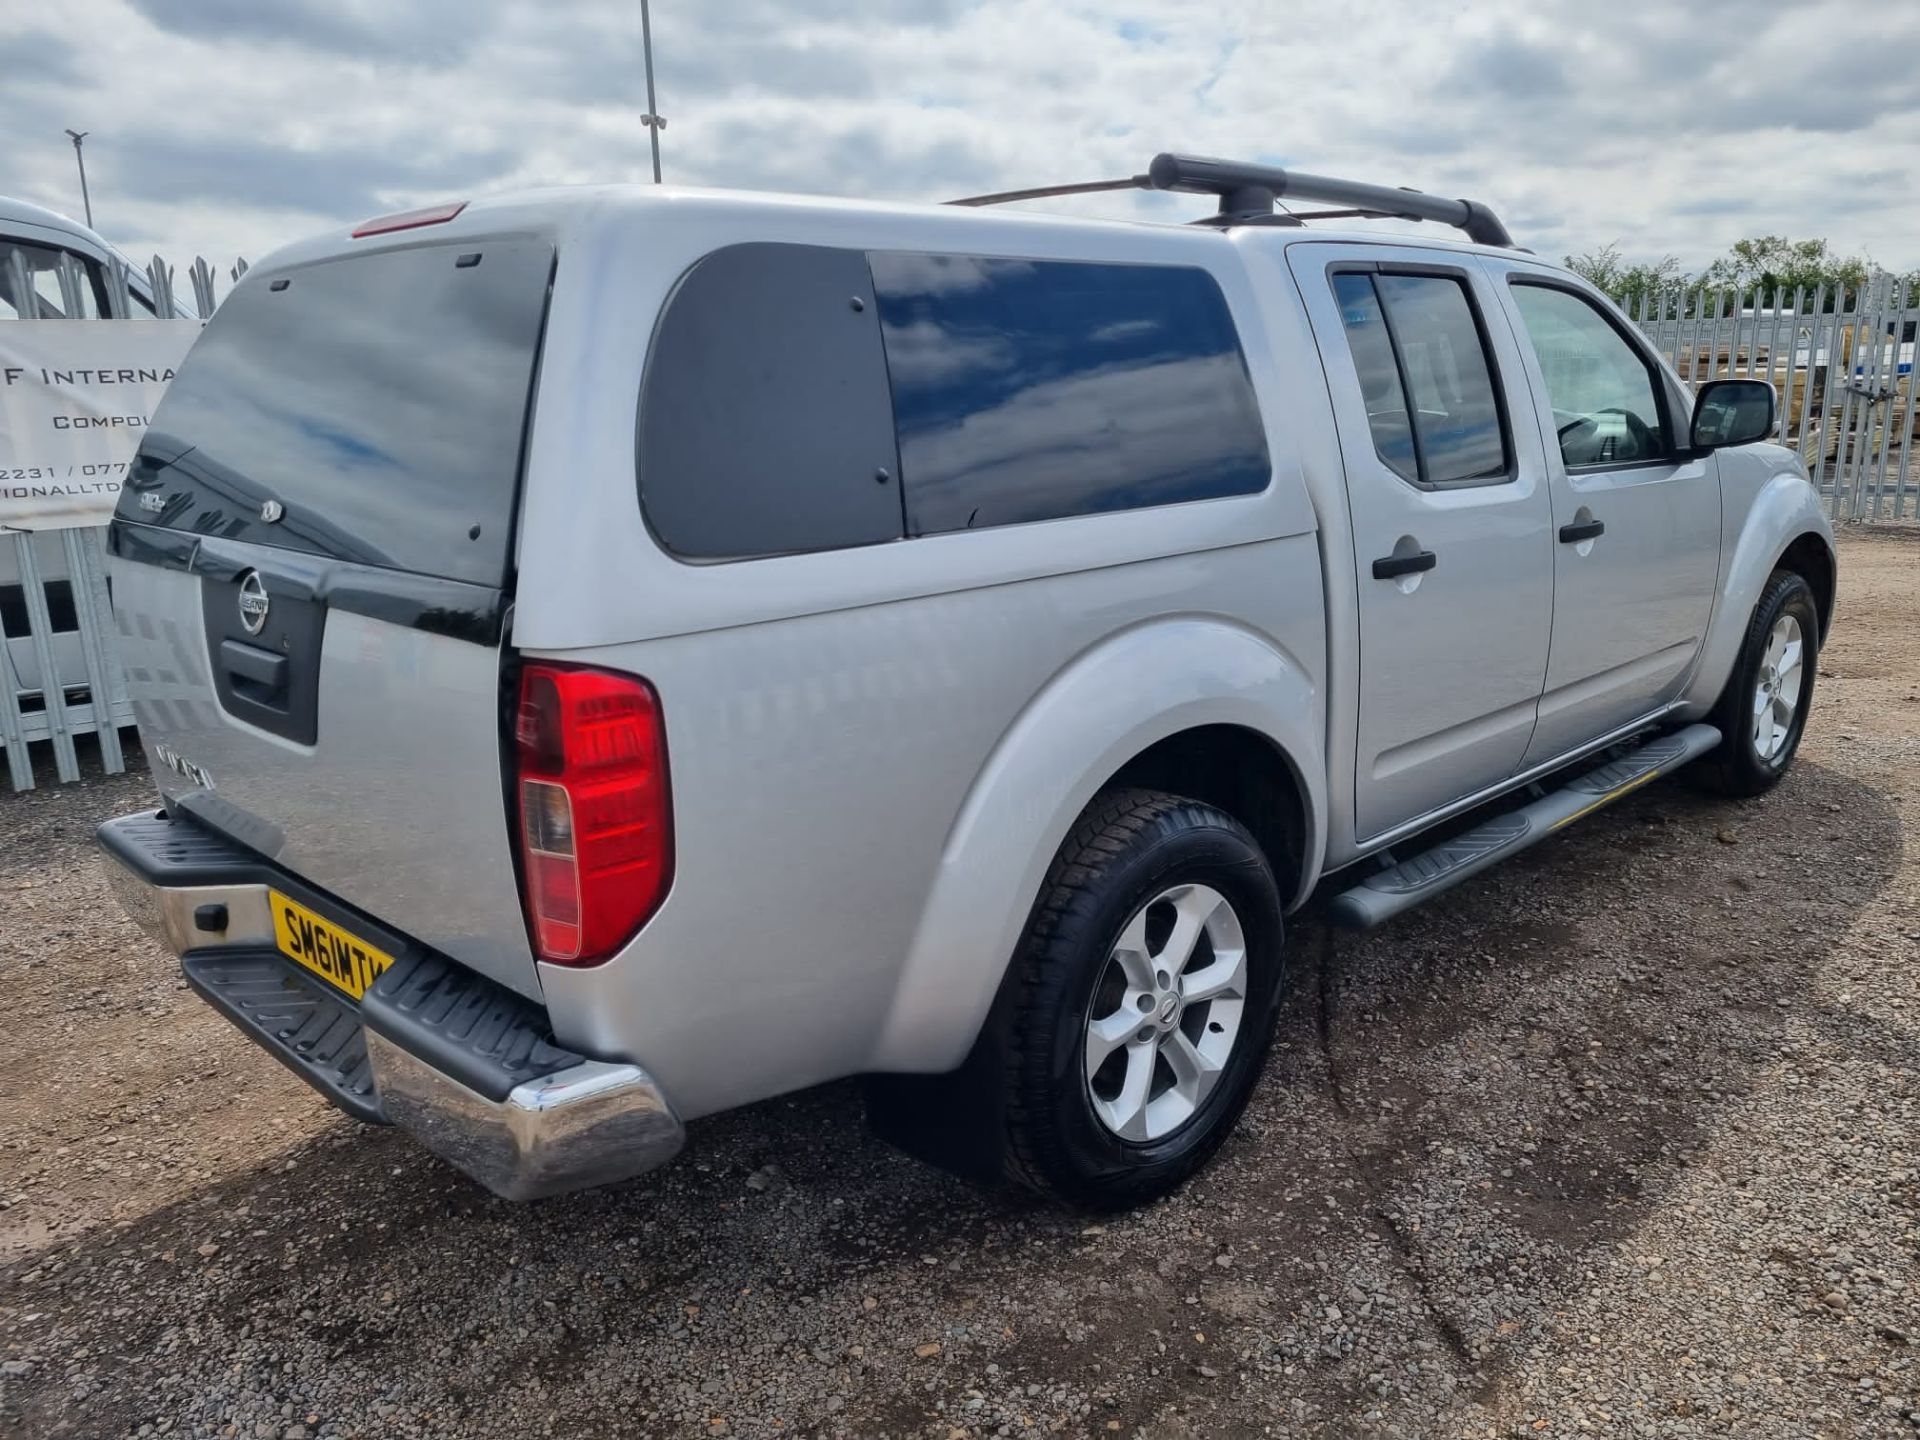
(1732,412)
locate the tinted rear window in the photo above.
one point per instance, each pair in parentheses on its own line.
(381,399)
(765,427)
(804,398)
(1035,389)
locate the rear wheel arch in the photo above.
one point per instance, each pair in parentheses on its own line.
(1134,695)
(1244,773)
(1026,1103)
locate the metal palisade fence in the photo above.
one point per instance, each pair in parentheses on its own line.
(1841,362)
(60,674)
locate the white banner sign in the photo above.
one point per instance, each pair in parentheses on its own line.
(75,398)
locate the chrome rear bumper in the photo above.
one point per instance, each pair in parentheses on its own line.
(466,1067)
(590,1124)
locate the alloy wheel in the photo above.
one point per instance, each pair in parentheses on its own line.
(1166,1013)
(1776,692)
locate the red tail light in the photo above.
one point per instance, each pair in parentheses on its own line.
(596,824)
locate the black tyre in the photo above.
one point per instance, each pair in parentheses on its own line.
(1140,1006)
(1763,711)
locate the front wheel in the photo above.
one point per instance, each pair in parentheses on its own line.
(1763,711)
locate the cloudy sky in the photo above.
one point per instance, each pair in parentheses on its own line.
(224,127)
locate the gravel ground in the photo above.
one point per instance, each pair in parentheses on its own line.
(1617,1139)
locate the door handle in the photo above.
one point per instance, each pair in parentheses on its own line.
(1389,567)
(1584,530)
(257,675)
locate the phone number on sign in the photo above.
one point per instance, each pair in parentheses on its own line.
(52,472)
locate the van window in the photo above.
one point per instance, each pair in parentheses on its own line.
(1035,389)
(764,426)
(380,398)
(44,297)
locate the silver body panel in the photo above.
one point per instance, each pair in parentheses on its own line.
(1766,503)
(875,752)
(1448,694)
(1631,606)
(398,809)
(837,777)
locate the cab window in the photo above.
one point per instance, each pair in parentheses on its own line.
(1433,404)
(1606,408)
(1379,373)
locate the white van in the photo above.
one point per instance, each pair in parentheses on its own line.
(69,271)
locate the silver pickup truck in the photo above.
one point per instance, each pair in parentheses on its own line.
(611,655)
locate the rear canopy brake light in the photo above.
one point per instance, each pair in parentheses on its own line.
(596,822)
(409,219)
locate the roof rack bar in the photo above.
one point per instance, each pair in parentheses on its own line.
(1246,190)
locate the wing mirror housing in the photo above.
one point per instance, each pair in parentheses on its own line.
(1732,412)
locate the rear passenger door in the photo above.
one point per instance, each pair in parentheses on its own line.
(1450,517)
(1636,516)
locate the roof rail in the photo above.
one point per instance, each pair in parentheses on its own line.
(1045,192)
(1248,194)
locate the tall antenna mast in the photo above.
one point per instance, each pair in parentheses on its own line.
(653,120)
(81,160)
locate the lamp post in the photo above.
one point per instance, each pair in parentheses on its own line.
(653,120)
(81,160)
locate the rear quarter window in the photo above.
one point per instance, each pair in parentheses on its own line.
(765,426)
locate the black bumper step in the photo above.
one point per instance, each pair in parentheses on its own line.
(300,1020)
(170,852)
(464,1025)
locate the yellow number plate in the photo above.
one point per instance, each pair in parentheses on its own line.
(341,959)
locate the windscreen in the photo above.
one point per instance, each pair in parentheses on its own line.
(368,409)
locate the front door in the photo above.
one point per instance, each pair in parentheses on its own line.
(1636,517)
(1450,516)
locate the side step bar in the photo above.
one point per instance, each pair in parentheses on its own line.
(1382,896)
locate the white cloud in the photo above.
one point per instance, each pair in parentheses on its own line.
(230,126)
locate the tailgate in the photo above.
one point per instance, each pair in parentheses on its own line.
(311,572)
